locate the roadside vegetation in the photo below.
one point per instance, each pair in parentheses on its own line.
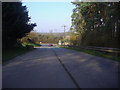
(95,24)
(15,25)
(11,53)
(18,25)
(31,44)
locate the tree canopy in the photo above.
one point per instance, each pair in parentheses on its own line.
(15,23)
(98,23)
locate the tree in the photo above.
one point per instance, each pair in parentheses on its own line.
(15,23)
(97,23)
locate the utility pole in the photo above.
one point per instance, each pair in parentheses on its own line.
(64,32)
(64,29)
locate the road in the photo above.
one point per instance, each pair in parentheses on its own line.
(52,67)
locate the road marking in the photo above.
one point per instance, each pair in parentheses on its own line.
(70,75)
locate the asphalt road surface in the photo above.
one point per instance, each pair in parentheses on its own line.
(52,67)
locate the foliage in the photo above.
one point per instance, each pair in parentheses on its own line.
(32,37)
(74,38)
(43,38)
(98,24)
(15,23)
(32,44)
(49,38)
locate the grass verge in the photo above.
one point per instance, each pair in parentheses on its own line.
(35,45)
(96,53)
(11,53)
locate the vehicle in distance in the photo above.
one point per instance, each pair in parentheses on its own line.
(50,45)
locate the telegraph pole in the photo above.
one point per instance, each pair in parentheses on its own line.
(64,32)
(64,29)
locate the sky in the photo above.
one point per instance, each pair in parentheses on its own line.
(50,16)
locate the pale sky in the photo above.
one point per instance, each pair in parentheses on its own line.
(50,15)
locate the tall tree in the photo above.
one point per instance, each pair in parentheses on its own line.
(15,23)
(97,23)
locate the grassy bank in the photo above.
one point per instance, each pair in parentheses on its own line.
(35,45)
(11,53)
(96,53)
